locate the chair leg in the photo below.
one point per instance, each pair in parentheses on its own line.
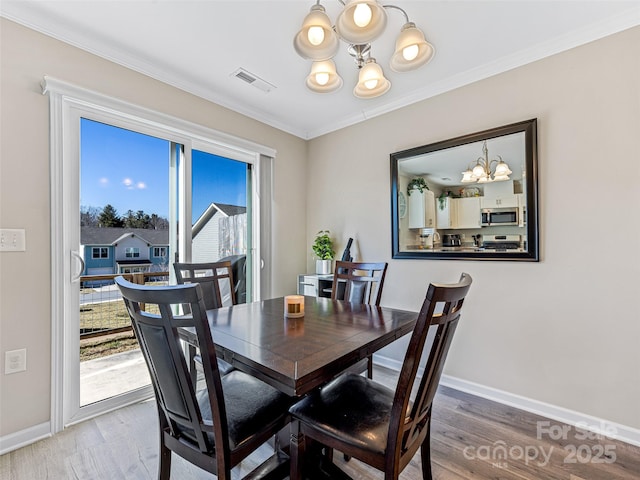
(370,366)
(296,451)
(164,467)
(425,454)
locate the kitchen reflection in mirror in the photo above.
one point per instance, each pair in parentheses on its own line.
(471,197)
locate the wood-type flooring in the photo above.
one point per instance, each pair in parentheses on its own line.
(472,439)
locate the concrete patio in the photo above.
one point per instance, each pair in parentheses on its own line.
(106,377)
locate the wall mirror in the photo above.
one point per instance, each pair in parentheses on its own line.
(473,197)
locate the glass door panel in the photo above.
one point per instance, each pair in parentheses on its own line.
(124,229)
(221,216)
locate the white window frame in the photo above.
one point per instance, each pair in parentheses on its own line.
(160,249)
(132,252)
(68,104)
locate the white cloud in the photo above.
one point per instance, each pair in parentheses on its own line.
(104,181)
(127,182)
(141,185)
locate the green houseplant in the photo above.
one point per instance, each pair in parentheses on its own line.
(323,249)
(417,183)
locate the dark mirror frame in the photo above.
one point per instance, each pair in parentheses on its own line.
(531,253)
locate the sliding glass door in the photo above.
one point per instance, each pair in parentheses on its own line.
(160,218)
(128,183)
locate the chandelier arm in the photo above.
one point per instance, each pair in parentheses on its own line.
(397,8)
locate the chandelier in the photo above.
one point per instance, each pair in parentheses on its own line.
(481,171)
(358,24)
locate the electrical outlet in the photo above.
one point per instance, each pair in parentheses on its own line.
(12,240)
(15,361)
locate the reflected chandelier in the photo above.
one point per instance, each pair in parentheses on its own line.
(359,23)
(481,171)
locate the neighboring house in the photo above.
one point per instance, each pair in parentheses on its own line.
(219,232)
(123,250)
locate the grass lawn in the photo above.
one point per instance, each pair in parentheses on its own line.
(105,316)
(103,346)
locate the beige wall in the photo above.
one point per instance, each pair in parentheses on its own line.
(567,328)
(25,303)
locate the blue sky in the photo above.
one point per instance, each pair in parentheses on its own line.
(130,171)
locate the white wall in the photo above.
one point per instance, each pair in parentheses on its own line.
(567,330)
(25,285)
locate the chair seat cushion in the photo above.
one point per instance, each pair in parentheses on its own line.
(252,406)
(352,409)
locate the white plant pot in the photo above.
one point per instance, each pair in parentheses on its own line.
(323,267)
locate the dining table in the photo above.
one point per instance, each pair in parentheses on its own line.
(296,355)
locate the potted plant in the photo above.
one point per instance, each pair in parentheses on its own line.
(417,183)
(323,249)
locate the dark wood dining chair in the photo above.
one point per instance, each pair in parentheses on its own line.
(368,421)
(216,279)
(359,282)
(219,425)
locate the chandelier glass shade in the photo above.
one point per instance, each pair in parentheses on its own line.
(317,40)
(412,50)
(481,171)
(323,77)
(371,81)
(359,23)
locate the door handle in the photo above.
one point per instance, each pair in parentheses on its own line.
(75,278)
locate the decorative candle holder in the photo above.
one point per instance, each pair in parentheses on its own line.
(294,306)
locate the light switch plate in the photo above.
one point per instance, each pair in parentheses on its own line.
(12,240)
(15,361)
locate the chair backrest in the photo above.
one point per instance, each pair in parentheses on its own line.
(358,282)
(216,279)
(178,406)
(409,425)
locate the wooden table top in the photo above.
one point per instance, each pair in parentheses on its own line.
(297,355)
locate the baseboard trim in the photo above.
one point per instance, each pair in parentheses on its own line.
(25,437)
(620,432)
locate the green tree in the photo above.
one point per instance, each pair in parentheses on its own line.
(109,217)
(137,220)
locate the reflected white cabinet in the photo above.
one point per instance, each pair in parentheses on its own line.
(421,207)
(455,213)
(467,212)
(445,213)
(501,201)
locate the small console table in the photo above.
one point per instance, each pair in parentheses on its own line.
(315,285)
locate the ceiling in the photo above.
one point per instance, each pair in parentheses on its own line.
(199,45)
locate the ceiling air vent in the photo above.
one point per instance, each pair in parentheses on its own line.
(253,80)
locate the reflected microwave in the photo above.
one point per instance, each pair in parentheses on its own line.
(499,216)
